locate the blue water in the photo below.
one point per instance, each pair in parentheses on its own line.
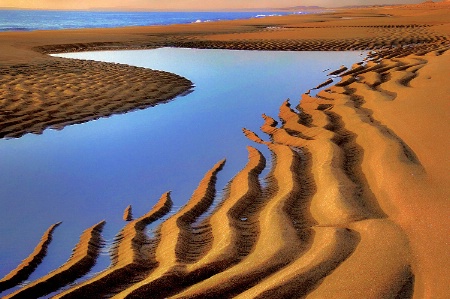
(29,20)
(91,172)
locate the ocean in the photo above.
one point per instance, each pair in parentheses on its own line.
(30,20)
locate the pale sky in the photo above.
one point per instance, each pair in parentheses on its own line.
(187,4)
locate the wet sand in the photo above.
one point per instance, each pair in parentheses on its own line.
(356,201)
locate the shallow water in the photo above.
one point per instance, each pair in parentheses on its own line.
(90,172)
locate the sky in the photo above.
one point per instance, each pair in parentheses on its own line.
(187,4)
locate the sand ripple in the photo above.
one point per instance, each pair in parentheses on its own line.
(64,92)
(324,217)
(339,215)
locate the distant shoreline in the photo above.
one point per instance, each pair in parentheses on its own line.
(33,20)
(356,201)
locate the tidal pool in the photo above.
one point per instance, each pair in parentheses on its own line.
(90,172)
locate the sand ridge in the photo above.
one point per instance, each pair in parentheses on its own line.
(356,201)
(128,256)
(83,258)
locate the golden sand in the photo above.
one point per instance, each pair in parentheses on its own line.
(356,204)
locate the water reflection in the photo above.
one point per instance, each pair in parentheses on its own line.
(90,172)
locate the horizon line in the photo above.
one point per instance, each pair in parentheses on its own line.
(129,9)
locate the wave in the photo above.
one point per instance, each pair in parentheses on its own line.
(270,15)
(205,21)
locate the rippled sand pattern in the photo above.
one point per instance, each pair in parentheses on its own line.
(320,225)
(353,205)
(378,37)
(64,92)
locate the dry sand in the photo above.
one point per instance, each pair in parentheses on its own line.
(356,204)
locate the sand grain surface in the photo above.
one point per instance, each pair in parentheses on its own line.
(356,202)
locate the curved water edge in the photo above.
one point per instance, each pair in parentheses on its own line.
(93,171)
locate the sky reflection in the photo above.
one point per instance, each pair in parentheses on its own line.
(90,172)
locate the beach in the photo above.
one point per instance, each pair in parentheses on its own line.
(355,203)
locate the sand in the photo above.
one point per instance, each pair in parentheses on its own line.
(356,202)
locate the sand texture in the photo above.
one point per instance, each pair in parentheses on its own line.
(83,258)
(355,203)
(64,92)
(30,103)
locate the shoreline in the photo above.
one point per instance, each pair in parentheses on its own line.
(124,19)
(373,159)
(26,54)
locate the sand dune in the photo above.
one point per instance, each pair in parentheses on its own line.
(180,241)
(356,201)
(233,226)
(330,247)
(272,250)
